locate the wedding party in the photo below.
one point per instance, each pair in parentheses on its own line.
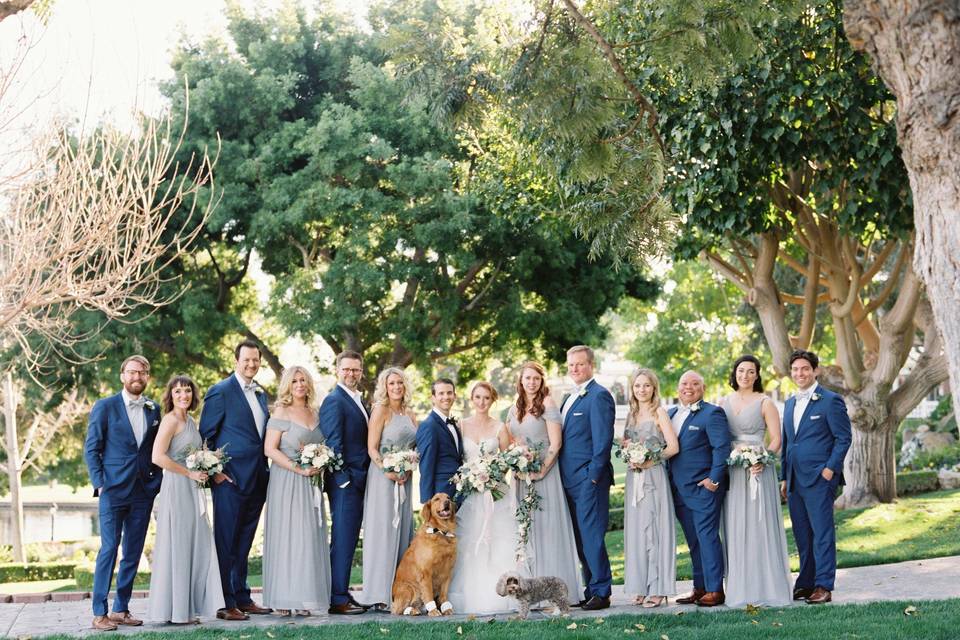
(505,503)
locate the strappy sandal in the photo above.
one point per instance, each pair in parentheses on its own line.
(639,600)
(283,613)
(650,603)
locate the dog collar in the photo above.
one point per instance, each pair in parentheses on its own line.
(441,532)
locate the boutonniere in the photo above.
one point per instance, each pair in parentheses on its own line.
(582,392)
(814,396)
(149,404)
(695,407)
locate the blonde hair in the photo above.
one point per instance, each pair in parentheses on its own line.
(380,396)
(284,393)
(654,399)
(138,359)
(582,348)
(485,385)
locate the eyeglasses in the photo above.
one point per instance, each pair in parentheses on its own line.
(353,371)
(136,373)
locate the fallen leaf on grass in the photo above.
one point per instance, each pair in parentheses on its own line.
(778,624)
(270,635)
(599,620)
(639,627)
(679,613)
(754,622)
(459,630)
(664,637)
(752,609)
(471,618)
(384,630)
(909,611)
(572,626)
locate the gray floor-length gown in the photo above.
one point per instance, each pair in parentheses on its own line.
(649,526)
(758,571)
(551,548)
(296,555)
(185,577)
(385,535)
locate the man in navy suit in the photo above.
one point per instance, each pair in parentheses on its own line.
(439,443)
(234,416)
(586,473)
(698,477)
(343,420)
(816,436)
(118,451)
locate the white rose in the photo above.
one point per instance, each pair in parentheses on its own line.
(191,461)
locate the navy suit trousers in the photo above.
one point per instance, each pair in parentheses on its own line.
(235,519)
(346,506)
(589,506)
(701,528)
(124,524)
(811,512)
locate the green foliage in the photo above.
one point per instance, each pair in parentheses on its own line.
(943,418)
(912,482)
(937,459)
(11,572)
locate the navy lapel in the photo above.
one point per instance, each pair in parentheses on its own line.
(238,391)
(148,422)
(458,442)
(788,406)
(687,420)
(577,400)
(807,409)
(125,419)
(345,397)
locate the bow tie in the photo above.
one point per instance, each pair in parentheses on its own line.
(250,386)
(136,403)
(452,421)
(805,395)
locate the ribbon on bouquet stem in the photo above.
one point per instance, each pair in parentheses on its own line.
(202,503)
(318,503)
(399,497)
(755,491)
(638,492)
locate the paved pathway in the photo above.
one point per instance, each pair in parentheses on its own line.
(917,580)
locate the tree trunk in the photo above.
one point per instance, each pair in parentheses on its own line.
(13,468)
(869,470)
(915,46)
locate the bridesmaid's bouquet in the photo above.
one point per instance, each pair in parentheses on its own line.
(209,461)
(523,459)
(317,455)
(747,455)
(399,461)
(486,472)
(635,453)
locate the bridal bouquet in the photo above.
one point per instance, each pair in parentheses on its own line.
(209,461)
(484,473)
(747,455)
(635,453)
(318,456)
(523,459)
(399,461)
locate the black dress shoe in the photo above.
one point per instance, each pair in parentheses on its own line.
(581,603)
(345,609)
(365,607)
(595,603)
(802,594)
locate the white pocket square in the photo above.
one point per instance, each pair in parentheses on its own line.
(693,427)
(580,413)
(155,423)
(816,417)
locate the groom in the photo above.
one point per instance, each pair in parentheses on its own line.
(698,476)
(343,421)
(816,436)
(234,416)
(118,451)
(586,473)
(439,443)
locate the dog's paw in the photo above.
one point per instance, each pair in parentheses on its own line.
(435,613)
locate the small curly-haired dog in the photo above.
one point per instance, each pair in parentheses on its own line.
(530,591)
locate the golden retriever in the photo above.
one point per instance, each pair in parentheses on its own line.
(423,576)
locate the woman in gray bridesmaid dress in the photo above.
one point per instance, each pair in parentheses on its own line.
(388,502)
(551,548)
(296,557)
(649,534)
(753,534)
(185,577)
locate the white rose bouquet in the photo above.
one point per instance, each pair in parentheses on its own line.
(748,455)
(635,453)
(399,461)
(484,473)
(317,455)
(206,460)
(523,459)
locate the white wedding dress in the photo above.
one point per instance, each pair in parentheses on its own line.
(487,535)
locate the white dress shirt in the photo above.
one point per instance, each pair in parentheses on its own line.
(683,410)
(135,414)
(800,405)
(450,427)
(249,392)
(574,394)
(356,398)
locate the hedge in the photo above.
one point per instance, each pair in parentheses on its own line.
(83,576)
(910,482)
(14,572)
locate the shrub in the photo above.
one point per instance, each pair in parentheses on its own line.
(13,572)
(615,522)
(933,460)
(83,576)
(910,482)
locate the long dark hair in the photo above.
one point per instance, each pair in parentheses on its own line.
(179,380)
(757,384)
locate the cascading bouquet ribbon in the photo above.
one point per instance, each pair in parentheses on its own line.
(746,456)
(399,461)
(524,460)
(636,453)
(483,475)
(209,461)
(318,455)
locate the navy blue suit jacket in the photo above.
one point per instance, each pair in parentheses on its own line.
(440,457)
(114,460)
(345,429)
(821,441)
(226,421)
(704,448)
(588,438)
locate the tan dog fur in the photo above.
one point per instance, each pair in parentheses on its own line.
(427,565)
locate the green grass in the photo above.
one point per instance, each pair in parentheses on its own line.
(878,621)
(913,528)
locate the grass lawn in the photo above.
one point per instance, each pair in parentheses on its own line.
(912,528)
(880,621)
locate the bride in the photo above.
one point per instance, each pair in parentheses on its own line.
(487,529)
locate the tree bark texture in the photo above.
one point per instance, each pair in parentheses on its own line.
(915,48)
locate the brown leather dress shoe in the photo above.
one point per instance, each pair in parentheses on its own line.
(124,618)
(103,623)
(345,609)
(233,614)
(820,596)
(712,599)
(254,609)
(695,595)
(802,594)
(596,603)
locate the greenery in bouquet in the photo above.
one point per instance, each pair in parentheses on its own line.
(207,460)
